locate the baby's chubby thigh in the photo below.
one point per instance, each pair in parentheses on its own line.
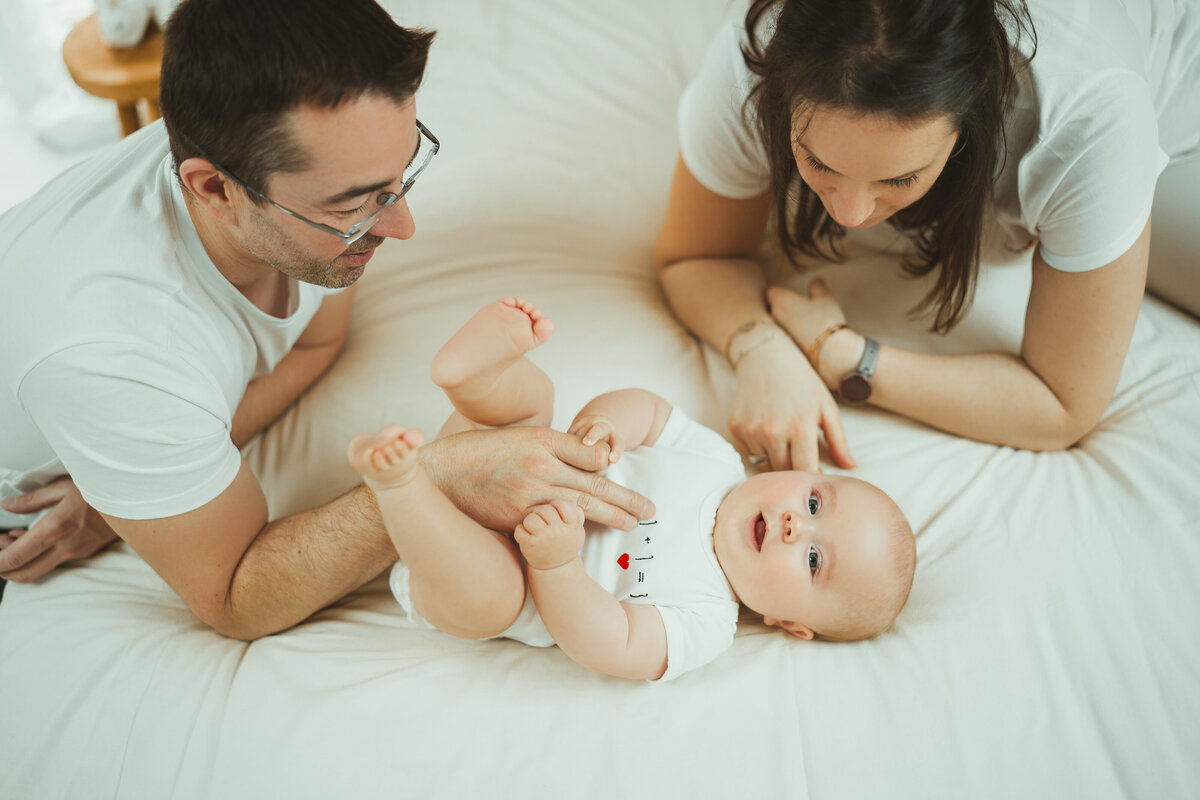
(526,628)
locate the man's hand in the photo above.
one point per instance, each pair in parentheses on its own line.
(496,476)
(551,535)
(71,531)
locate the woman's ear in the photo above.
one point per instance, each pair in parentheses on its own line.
(209,187)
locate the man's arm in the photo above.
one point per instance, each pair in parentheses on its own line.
(268,396)
(247,578)
(74,530)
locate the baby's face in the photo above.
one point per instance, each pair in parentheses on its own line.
(798,546)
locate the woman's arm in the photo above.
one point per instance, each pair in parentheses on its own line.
(705,258)
(1078,326)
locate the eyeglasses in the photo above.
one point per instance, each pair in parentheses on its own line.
(427,147)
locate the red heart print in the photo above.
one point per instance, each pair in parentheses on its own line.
(624,560)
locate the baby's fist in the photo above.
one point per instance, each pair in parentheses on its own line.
(593,429)
(551,535)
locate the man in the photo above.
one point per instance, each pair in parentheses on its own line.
(167,300)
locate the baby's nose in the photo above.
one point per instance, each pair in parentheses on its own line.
(790,523)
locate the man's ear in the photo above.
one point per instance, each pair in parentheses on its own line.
(794,628)
(210,188)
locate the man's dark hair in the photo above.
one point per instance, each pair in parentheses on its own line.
(910,60)
(232,70)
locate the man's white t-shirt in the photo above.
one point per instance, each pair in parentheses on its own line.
(125,351)
(1112,93)
(668,562)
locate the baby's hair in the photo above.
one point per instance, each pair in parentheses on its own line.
(874,612)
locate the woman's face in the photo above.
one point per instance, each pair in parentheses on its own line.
(866,167)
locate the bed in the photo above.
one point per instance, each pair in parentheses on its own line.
(1048,649)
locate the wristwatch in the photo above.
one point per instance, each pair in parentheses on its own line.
(855,385)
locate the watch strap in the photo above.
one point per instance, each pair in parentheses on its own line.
(866,364)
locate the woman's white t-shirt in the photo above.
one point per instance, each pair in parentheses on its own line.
(1112,94)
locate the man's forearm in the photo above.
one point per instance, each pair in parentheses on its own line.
(302,563)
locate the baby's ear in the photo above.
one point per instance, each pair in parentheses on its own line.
(794,628)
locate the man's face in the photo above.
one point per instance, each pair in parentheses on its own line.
(356,152)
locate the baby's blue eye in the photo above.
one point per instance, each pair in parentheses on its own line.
(814,559)
(814,503)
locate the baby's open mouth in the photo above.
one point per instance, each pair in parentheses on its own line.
(760,532)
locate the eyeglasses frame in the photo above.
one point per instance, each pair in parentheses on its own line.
(362,227)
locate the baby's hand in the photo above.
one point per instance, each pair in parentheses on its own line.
(551,534)
(594,428)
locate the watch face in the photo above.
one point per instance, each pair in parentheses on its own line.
(855,388)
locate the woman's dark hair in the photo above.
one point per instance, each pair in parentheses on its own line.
(232,70)
(911,61)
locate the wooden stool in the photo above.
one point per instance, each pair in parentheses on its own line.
(126,76)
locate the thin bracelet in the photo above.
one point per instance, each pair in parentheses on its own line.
(744,328)
(813,351)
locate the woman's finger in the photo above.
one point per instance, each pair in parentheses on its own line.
(806,455)
(835,439)
(778,456)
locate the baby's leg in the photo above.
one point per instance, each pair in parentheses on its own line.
(465,579)
(484,372)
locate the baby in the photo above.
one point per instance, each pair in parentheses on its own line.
(816,555)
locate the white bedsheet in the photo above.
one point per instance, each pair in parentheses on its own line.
(1048,650)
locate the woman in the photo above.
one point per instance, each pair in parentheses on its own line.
(973,127)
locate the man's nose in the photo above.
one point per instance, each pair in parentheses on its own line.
(396,222)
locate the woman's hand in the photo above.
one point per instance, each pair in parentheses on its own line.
(806,317)
(780,407)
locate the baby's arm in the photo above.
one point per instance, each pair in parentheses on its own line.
(587,622)
(627,418)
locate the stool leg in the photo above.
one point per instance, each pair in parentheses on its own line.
(129,117)
(151,110)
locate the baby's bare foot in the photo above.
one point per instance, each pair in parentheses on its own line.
(387,459)
(489,343)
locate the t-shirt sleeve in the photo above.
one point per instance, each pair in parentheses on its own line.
(135,450)
(696,634)
(720,147)
(1090,185)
